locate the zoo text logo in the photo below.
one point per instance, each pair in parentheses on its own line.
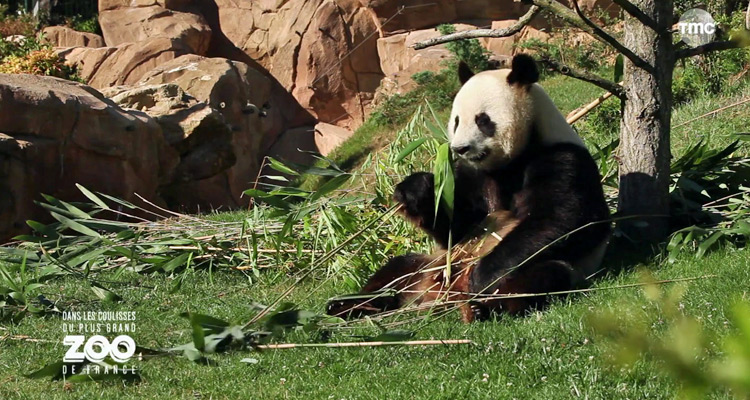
(98,347)
(697,27)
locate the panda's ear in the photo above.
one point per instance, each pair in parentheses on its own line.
(464,72)
(523,71)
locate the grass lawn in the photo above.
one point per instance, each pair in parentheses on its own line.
(550,354)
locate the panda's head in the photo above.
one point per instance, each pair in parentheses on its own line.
(493,114)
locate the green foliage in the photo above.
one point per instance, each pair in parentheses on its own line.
(21,47)
(23,24)
(680,344)
(588,57)
(31,56)
(437,88)
(708,75)
(423,77)
(605,119)
(718,8)
(712,73)
(469,51)
(82,24)
(710,201)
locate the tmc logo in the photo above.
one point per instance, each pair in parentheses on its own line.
(697,27)
(97,348)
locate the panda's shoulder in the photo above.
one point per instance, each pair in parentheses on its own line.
(561,157)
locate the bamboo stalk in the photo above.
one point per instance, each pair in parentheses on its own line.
(716,111)
(212,248)
(574,116)
(363,344)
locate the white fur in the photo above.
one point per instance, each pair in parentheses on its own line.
(514,109)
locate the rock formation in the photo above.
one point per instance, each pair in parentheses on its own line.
(197,93)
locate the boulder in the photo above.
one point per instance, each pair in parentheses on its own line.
(145,20)
(242,96)
(399,60)
(195,130)
(62,36)
(124,64)
(323,52)
(56,133)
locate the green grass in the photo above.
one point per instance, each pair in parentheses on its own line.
(550,354)
(553,354)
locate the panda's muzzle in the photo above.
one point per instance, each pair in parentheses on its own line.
(470,153)
(478,157)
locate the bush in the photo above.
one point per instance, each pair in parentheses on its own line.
(19,48)
(605,119)
(38,62)
(437,88)
(711,73)
(469,51)
(10,25)
(82,24)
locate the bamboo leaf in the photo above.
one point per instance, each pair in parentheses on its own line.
(267,198)
(619,67)
(73,225)
(706,245)
(91,196)
(105,294)
(329,187)
(281,167)
(410,148)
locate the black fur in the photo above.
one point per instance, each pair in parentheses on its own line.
(485,124)
(523,70)
(464,72)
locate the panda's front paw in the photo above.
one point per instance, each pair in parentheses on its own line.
(417,196)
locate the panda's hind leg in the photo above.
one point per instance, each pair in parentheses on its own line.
(539,278)
(384,290)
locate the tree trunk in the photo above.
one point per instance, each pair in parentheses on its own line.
(644,142)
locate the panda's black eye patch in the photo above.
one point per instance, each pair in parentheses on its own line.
(455,125)
(485,124)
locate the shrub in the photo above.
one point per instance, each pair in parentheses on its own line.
(711,73)
(21,47)
(605,119)
(469,51)
(437,88)
(81,24)
(10,25)
(38,62)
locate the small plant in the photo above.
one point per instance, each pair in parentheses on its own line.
(685,349)
(437,88)
(82,24)
(11,25)
(469,51)
(39,62)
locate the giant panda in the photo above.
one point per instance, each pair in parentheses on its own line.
(523,181)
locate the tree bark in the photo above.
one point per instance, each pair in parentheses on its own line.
(645,126)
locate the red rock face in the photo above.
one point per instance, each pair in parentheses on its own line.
(81,138)
(212,87)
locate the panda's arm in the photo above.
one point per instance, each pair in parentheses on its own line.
(561,192)
(417,195)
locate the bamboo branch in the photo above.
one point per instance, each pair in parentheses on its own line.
(708,114)
(574,116)
(605,84)
(707,48)
(363,344)
(481,33)
(609,39)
